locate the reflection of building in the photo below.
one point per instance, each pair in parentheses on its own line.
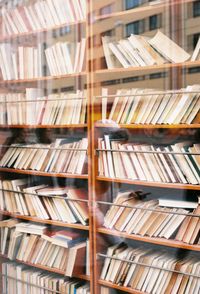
(148,17)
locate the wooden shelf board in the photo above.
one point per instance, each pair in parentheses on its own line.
(21,35)
(141,9)
(158,241)
(132,126)
(121,288)
(147,68)
(43,126)
(49,222)
(151,184)
(40,173)
(49,269)
(47,78)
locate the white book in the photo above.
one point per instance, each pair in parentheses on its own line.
(176,166)
(169,49)
(125,47)
(66,53)
(77,10)
(29,17)
(11,23)
(183,104)
(6,51)
(21,63)
(33,15)
(82,55)
(122,108)
(130,169)
(164,101)
(134,106)
(77,57)
(166,166)
(143,163)
(177,203)
(104,93)
(49,19)
(114,105)
(128,106)
(59,10)
(69,9)
(53,11)
(40,15)
(136,164)
(136,44)
(24,29)
(155,109)
(184,164)
(109,156)
(119,55)
(110,61)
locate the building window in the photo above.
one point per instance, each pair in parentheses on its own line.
(106,10)
(195,39)
(154,22)
(108,33)
(136,27)
(196,9)
(129,4)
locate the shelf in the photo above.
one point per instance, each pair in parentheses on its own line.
(132,126)
(121,288)
(43,126)
(136,12)
(153,68)
(21,35)
(47,78)
(151,184)
(157,241)
(43,174)
(43,221)
(49,269)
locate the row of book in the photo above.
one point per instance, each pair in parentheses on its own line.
(151,271)
(61,156)
(42,15)
(144,51)
(23,279)
(28,62)
(34,108)
(44,202)
(153,108)
(159,218)
(35,244)
(62,60)
(177,163)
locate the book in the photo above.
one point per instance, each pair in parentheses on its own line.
(150,106)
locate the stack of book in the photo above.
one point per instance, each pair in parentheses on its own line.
(42,15)
(178,163)
(151,271)
(27,62)
(149,106)
(36,244)
(23,279)
(60,156)
(159,218)
(34,108)
(143,51)
(44,202)
(24,63)
(61,59)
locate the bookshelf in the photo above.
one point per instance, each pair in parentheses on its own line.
(111,85)
(71,31)
(118,181)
